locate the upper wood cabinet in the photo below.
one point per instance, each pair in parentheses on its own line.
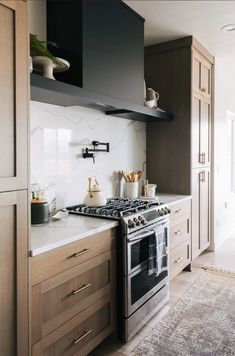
(13,95)
(181,71)
(201,131)
(14,300)
(14,328)
(201,82)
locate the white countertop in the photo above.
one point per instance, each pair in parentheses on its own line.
(171,198)
(58,233)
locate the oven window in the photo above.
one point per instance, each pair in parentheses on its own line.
(140,249)
(142,283)
(139,252)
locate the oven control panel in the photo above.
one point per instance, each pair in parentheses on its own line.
(136,221)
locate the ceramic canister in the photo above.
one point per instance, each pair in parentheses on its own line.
(39,212)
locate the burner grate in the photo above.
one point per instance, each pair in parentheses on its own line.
(115,207)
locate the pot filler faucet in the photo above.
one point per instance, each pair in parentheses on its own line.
(90,152)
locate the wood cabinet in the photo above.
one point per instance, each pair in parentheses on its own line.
(201,131)
(200,210)
(202,72)
(14,303)
(73,306)
(50,263)
(13,96)
(180,236)
(181,71)
(13,273)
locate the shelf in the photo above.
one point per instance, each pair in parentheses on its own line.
(63,94)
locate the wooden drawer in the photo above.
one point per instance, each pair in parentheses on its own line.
(61,297)
(80,334)
(180,257)
(60,259)
(180,209)
(179,231)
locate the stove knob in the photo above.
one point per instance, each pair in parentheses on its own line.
(168,210)
(131,224)
(161,212)
(140,218)
(135,219)
(137,223)
(143,222)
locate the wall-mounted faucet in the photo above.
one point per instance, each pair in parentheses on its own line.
(90,152)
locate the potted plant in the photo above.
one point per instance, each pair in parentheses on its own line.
(43,59)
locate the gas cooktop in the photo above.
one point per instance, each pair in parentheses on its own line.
(116,208)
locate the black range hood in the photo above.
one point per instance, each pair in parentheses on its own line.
(63,94)
(104,43)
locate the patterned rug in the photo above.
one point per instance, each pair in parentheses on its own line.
(201,323)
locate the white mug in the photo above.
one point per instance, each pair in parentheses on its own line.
(150,190)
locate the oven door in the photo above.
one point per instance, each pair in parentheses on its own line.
(136,246)
(139,286)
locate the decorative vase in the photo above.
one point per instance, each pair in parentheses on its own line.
(48,67)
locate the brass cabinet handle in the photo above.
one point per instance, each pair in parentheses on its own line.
(85,286)
(179,260)
(178,232)
(202,158)
(86,333)
(79,253)
(202,176)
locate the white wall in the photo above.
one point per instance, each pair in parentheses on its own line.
(224,199)
(37,18)
(58,135)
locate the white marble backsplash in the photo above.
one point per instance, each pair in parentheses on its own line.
(58,135)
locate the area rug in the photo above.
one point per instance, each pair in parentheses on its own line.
(201,323)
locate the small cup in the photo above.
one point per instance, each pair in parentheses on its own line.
(150,190)
(131,190)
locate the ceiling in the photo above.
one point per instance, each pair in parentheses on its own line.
(167,20)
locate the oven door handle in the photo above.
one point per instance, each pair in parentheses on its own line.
(140,236)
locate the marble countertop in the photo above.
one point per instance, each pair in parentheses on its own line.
(61,232)
(171,198)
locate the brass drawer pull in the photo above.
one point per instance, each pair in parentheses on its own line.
(178,211)
(203,90)
(179,260)
(86,333)
(79,253)
(80,289)
(178,232)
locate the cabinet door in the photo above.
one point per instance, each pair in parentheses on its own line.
(201,80)
(13,274)
(13,95)
(200,210)
(201,129)
(204,180)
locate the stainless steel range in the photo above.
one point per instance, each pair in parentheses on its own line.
(143,286)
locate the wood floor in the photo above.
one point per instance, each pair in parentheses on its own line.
(223,258)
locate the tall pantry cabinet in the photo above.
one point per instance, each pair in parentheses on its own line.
(179,152)
(13,178)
